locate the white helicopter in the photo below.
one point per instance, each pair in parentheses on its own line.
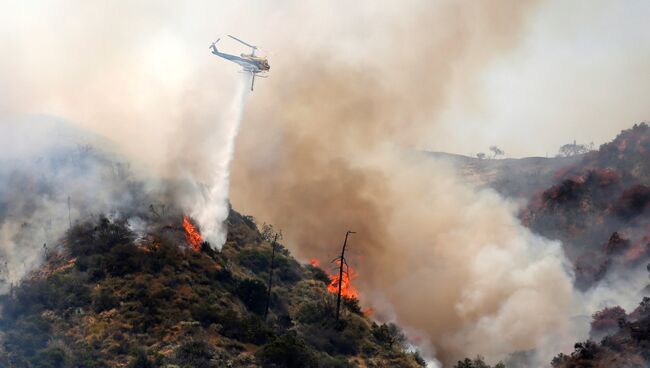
(251,63)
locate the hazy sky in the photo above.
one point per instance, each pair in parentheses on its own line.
(581,71)
(578,70)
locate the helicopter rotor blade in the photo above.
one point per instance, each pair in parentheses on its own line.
(247,44)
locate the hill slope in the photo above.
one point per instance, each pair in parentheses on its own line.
(596,203)
(114,296)
(598,207)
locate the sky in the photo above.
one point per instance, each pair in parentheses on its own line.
(580,72)
(576,70)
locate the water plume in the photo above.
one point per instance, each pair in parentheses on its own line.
(210,208)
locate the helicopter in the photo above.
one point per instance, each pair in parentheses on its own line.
(249,62)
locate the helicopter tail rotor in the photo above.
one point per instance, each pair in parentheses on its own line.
(214,44)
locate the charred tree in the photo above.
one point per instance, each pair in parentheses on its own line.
(270,284)
(342,262)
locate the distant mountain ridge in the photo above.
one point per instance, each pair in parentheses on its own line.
(511,177)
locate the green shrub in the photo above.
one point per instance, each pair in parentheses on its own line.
(50,358)
(93,265)
(287,351)
(313,312)
(256,260)
(259,261)
(326,361)
(140,360)
(351,336)
(224,276)
(87,357)
(389,334)
(89,238)
(60,292)
(253,294)
(246,329)
(419,359)
(255,330)
(205,314)
(478,362)
(288,270)
(352,304)
(318,274)
(343,337)
(104,300)
(124,259)
(194,354)
(166,254)
(283,322)
(27,335)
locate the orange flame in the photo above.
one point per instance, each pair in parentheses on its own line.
(65,266)
(347,290)
(192,234)
(314,262)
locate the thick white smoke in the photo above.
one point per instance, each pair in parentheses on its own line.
(488,285)
(51,176)
(211,206)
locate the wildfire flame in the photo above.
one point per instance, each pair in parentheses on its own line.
(192,234)
(314,262)
(347,290)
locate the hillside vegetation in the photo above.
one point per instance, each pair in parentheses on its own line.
(598,207)
(111,296)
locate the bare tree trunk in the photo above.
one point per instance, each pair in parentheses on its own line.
(268,295)
(341,262)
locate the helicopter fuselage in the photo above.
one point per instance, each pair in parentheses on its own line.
(249,63)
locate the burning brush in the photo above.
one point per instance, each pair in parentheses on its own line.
(192,235)
(341,283)
(348,291)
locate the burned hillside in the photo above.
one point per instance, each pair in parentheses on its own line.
(598,207)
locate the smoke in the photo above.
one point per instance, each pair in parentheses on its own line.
(620,287)
(436,255)
(325,143)
(211,207)
(51,176)
(449,262)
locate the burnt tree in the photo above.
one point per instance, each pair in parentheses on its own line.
(342,262)
(276,236)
